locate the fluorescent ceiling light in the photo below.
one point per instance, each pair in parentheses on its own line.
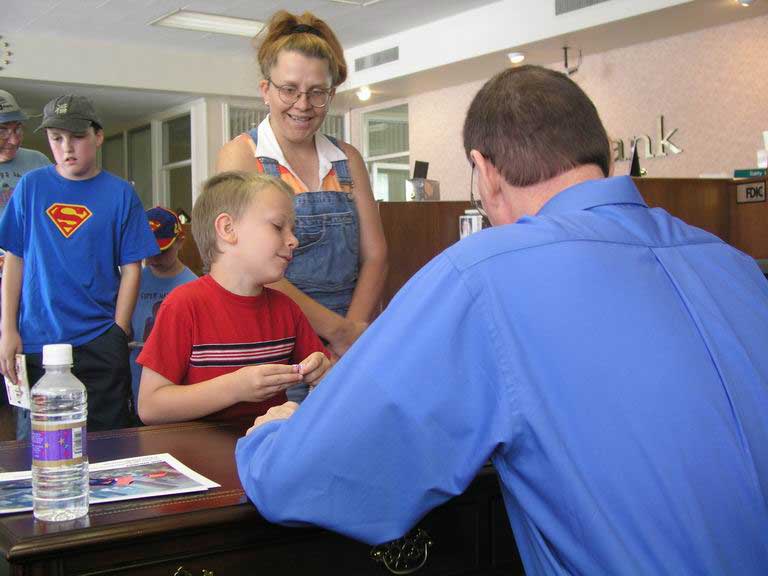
(361,3)
(202,22)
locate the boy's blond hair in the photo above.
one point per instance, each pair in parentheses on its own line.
(226,193)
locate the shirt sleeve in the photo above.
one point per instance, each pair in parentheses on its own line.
(137,241)
(169,346)
(307,340)
(402,423)
(12,229)
(41,159)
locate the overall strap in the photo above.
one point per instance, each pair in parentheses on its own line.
(270,165)
(341,166)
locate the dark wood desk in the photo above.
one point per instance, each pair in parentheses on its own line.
(219,533)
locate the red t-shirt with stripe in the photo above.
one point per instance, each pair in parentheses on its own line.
(203,331)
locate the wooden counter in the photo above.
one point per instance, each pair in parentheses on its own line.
(712,204)
(219,533)
(418,231)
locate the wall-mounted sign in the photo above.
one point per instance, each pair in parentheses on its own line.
(663,145)
(752,192)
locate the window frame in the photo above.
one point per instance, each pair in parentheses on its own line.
(197,111)
(365,140)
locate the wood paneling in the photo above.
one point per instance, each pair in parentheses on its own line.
(700,202)
(416,232)
(749,222)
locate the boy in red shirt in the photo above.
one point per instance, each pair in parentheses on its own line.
(225,346)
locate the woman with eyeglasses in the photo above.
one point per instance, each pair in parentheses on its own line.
(338,270)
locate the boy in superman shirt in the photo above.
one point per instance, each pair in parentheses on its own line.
(224,346)
(74,237)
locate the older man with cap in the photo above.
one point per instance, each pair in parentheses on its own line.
(15,161)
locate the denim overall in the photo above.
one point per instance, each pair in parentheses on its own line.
(325,264)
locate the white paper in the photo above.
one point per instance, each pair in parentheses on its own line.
(112,481)
(762,158)
(18,394)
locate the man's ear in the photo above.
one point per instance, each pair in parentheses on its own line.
(488,180)
(225,228)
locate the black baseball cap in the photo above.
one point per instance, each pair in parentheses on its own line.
(70,112)
(9,109)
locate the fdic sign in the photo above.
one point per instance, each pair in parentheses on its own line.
(752,192)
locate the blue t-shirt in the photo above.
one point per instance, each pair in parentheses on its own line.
(608,358)
(152,292)
(12,171)
(72,235)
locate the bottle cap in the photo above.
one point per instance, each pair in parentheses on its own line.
(57,355)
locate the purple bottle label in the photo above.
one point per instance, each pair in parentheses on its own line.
(58,444)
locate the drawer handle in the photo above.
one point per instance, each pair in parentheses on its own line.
(405,555)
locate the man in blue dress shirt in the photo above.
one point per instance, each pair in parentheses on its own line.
(608,358)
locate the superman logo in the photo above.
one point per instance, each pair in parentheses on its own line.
(68,217)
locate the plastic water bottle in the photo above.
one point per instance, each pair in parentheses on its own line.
(59,452)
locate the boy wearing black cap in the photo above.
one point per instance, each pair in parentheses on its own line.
(75,237)
(162,273)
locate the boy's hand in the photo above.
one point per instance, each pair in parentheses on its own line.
(10,345)
(314,367)
(258,383)
(275,413)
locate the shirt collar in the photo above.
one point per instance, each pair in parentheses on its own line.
(593,193)
(268,147)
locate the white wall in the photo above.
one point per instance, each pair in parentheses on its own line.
(495,27)
(710,85)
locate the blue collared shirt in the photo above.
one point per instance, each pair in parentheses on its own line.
(607,357)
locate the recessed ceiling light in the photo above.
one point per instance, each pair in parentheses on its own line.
(364,93)
(202,22)
(516,57)
(746,2)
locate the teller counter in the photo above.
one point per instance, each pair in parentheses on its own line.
(417,231)
(219,533)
